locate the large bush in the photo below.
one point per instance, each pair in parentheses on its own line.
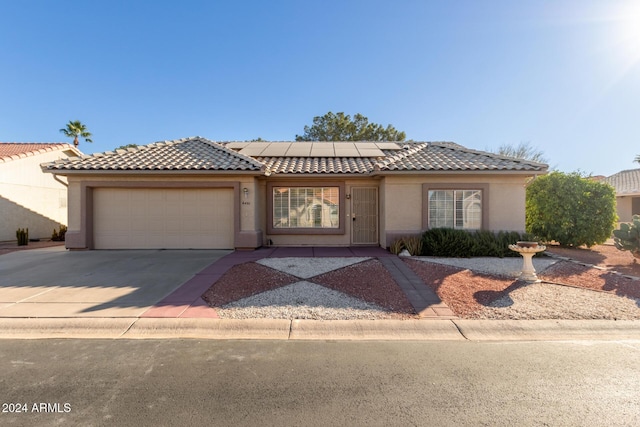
(570,209)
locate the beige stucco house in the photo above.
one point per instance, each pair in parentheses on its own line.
(196,193)
(30,198)
(627,186)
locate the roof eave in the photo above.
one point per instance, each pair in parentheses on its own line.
(66,172)
(461,172)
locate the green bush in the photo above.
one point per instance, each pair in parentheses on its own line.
(627,238)
(59,236)
(22,234)
(448,242)
(570,209)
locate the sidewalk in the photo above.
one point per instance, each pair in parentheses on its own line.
(183,314)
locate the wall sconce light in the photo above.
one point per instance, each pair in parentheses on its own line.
(245,191)
(348,196)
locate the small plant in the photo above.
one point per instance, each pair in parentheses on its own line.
(22,234)
(58,236)
(396,246)
(413,244)
(627,238)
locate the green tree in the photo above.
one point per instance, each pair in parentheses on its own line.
(637,159)
(340,127)
(76,130)
(524,151)
(124,147)
(570,209)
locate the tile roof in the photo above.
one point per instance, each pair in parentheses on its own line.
(625,182)
(448,156)
(201,154)
(194,153)
(16,150)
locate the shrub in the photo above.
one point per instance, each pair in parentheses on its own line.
(396,246)
(414,245)
(22,234)
(570,209)
(448,242)
(627,238)
(59,236)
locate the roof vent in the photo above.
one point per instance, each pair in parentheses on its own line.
(406,147)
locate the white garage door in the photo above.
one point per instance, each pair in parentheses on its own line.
(126,218)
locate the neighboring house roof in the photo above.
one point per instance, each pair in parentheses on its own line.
(16,150)
(625,182)
(282,157)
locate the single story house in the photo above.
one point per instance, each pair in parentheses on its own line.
(627,186)
(29,198)
(197,193)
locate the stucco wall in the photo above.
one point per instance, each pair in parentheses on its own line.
(624,206)
(503,201)
(31,198)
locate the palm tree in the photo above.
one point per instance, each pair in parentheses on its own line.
(637,159)
(76,129)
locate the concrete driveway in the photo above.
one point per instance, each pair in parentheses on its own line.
(54,282)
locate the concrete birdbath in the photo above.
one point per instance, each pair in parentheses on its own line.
(528,250)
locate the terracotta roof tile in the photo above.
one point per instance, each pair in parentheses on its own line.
(15,150)
(625,182)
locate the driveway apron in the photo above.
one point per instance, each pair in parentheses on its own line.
(54,282)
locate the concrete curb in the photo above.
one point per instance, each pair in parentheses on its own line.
(77,327)
(267,329)
(302,329)
(548,330)
(436,330)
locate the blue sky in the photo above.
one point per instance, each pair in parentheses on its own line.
(563,76)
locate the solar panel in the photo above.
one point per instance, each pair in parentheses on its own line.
(314,149)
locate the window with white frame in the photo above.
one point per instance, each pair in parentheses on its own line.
(455,209)
(306,207)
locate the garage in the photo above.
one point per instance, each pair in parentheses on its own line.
(163,218)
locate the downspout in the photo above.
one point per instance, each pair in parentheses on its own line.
(60,181)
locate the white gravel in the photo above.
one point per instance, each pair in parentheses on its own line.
(508,267)
(306,268)
(302,300)
(549,301)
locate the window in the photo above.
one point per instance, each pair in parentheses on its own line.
(455,209)
(306,207)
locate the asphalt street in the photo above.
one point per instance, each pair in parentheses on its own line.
(217,382)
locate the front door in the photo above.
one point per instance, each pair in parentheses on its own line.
(364,215)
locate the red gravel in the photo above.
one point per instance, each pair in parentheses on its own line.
(603,256)
(462,290)
(571,273)
(368,281)
(245,280)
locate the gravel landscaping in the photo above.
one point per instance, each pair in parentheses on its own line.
(357,288)
(481,288)
(302,300)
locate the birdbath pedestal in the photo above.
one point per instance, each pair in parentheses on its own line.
(528,250)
